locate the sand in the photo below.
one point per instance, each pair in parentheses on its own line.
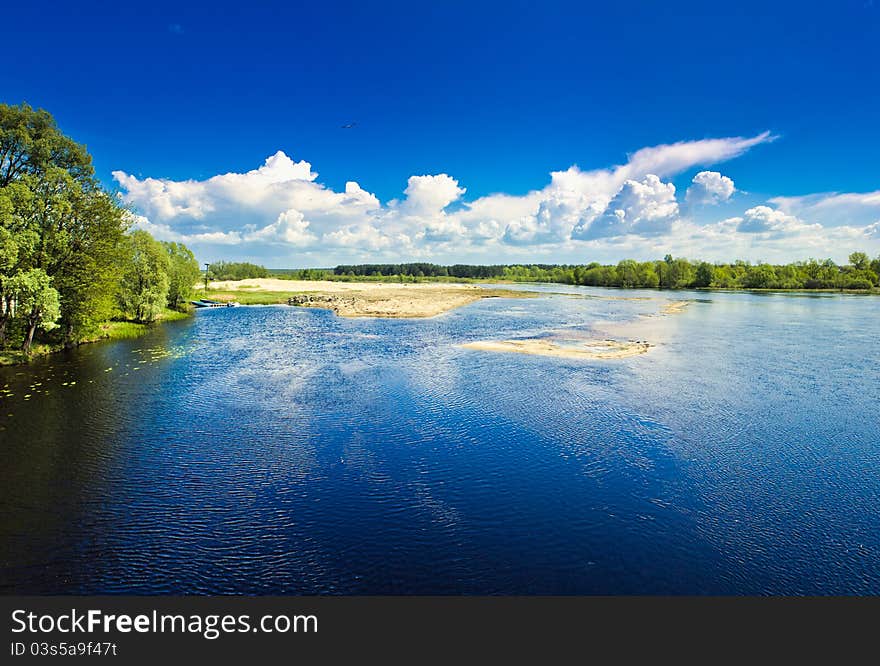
(372,299)
(674,307)
(565,346)
(589,349)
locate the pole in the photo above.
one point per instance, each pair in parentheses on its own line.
(206,277)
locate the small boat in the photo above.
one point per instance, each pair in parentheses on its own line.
(207,303)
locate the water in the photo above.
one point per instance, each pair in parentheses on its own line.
(285,450)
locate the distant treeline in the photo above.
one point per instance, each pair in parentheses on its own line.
(431,270)
(861,273)
(69,262)
(236,270)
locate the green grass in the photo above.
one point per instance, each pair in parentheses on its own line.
(122,330)
(250,297)
(174,315)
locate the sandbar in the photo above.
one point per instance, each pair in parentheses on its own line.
(583,349)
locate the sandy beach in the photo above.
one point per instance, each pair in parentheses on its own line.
(369,299)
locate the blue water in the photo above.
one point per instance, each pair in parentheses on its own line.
(279,450)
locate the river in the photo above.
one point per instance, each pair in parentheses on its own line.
(281,450)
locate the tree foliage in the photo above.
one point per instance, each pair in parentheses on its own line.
(183,274)
(236,270)
(63,240)
(143,290)
(668,273)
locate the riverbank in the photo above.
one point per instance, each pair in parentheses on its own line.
(111,330)
(359,299)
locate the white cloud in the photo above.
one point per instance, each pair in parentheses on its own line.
(710,187)
(833,209)
(280,214)
(766,220)
(291,228)
(647,208)
(429,195)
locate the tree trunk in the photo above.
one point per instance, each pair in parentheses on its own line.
(68,337)
(29,335)
(5,312)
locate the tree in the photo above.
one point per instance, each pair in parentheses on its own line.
(30,143)
(36,302)
(859,261)
(762,276)
(63,222)
(8,260)
(705,275)
(183,273)
(679,273)
(144,286)
(628,273)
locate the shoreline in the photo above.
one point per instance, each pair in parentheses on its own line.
(111,331)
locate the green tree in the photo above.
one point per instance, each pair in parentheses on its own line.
(63,223)
(36,302)
(859,261)
(705,275)
(8,260)
(183,273)
(30,143)
(628,273)
(648,276)
(144,286)
(762,276)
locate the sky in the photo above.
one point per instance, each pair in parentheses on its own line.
(301,134)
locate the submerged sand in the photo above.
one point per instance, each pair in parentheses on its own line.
(372,299)
(674,307)
(566,346)
(589,349)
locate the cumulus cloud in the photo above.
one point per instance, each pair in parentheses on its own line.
(428,195)
(646,207)
(766,220)
(280,213)
(708,188)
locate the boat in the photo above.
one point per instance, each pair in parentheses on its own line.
(208,303)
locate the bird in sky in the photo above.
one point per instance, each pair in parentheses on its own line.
(348,125)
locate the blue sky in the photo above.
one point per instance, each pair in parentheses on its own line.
(491,96)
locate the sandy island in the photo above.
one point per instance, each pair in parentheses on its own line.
(368,299)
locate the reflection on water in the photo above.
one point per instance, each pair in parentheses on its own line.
(286,450)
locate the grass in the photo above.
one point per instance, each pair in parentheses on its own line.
(251,297)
